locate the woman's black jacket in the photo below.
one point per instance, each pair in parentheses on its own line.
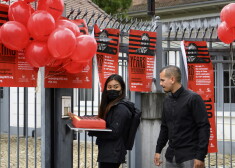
(111,145)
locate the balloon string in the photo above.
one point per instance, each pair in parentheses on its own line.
(13,17)
(30,11)
(36,89)
(37,86)
(48,76)
(58,70)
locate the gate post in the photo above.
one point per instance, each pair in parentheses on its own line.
(159,57)
(151,106)
(57,138)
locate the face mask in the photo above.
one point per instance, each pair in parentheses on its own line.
(113,94)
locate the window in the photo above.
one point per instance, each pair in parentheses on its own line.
(229,87)
(1,92)
(224,85)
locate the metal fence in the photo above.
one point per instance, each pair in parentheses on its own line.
(20,140)
(20,108)
(222,56)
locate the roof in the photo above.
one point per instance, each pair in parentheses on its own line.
(77,8)
(83,6)
(164,3)
(168,9)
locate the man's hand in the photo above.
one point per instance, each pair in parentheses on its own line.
(198,164)
(157,160)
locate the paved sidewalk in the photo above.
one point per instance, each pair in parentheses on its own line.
(31,155)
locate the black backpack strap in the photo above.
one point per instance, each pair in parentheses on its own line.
(129,105)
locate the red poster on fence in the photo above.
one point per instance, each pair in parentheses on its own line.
(3,14)
(82,25)
(58,77)
(201,80)
(107,53)
(142,47)
(15,71)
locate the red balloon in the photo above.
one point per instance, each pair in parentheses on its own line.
(14,35)
(227,14)
(37,54)
(222,13)
(226,34)
(54,7)
(85,49)
(40,25)
(20,11)
(61,43)
(74,67)
(68,24)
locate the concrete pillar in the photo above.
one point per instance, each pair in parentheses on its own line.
(57,138)
(151,106)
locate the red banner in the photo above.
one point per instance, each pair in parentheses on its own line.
(201,80)
(142,46)
(82,25)
(3,14)
(57,77)
(15,70)
(107,53)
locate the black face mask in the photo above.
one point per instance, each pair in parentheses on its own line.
(113,94)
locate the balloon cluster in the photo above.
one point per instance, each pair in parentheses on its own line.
(226,29)
(47,38)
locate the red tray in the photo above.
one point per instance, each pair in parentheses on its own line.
(88,122)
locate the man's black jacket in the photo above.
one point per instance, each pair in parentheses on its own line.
(185,124)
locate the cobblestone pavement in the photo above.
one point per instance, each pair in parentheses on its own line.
(220,161)
(213,159)
(22,153)
(31,153)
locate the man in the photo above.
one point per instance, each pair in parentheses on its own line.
(184,124)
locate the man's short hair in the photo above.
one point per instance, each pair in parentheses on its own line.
(172,70)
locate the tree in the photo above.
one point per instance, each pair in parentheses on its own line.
(113,6)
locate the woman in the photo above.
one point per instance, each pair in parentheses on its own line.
(111,145)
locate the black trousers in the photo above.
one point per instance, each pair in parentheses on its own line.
(109,165)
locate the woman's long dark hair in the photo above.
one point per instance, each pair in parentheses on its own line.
(105,105)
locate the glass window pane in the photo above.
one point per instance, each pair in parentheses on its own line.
(226,78)
(229,79)
(1,92)
(233,79)
(227,93)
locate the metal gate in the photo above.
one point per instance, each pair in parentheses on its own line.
(19,130)
(20,108)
